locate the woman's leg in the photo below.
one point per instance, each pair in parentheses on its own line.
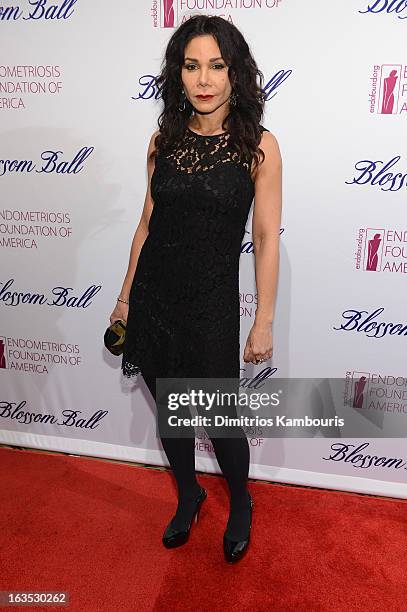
(231,447)
(233,456)
(180,452)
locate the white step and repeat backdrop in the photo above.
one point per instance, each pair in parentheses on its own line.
(78,105)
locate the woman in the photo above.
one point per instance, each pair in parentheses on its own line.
(180,295)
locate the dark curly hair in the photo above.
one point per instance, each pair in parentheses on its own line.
(244,119)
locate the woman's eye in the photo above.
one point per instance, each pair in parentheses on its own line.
(187,66)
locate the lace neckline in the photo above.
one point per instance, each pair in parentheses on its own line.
(206,136)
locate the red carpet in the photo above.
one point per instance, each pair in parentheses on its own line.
(93,528)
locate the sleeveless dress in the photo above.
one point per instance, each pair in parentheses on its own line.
(184,311)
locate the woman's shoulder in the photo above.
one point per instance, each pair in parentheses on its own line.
(266,135)
(271,149)
(268,138)
(153,137)
(152,145)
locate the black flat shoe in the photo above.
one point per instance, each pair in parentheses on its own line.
(234,550)
(174,537)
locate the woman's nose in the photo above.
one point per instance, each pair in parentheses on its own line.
(203,77)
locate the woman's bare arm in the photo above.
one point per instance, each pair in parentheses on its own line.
(266,227)
(142,229)
(266,242)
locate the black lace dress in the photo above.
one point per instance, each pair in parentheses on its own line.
(184,315)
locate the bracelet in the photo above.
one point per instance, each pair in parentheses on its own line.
(124,301)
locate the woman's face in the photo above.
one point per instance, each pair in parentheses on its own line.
(205,72)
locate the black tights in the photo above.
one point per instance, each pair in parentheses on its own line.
(233,456)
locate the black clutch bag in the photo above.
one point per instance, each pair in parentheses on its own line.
(114,337)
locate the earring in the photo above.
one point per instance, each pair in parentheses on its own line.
(233,99)
(181,109)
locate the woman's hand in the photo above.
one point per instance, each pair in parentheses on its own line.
(259,344)
(120,312)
